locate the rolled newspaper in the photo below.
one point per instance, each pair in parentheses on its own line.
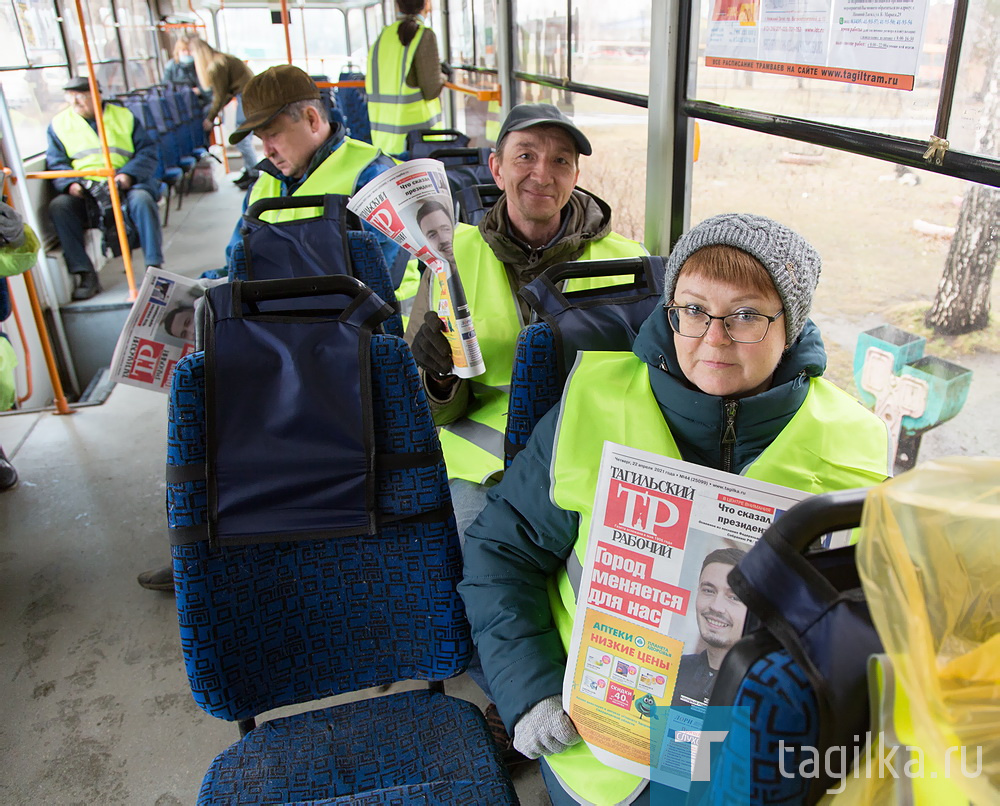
(411,203)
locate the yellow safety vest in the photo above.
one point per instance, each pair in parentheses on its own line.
(608,397)
(83,146)
(338,173)
(394,107)
(473,445)
(493,121)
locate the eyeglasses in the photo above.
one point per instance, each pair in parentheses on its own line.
(742,327)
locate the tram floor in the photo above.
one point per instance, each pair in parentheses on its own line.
(97,706)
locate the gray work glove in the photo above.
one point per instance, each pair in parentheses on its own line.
(546,729)
(11,226)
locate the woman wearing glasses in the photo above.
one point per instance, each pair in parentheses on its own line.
(726,374)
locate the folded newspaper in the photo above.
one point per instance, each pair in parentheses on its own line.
(159,331)
(411,203)
(655,614)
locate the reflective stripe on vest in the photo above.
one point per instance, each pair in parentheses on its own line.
(83,146)
(608,397)
(473,446)
(406,292)
(394,107)
(338,173)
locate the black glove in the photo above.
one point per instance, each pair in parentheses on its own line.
(430,348)
(447,70)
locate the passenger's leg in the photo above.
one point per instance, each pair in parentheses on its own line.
(69,217)
(245,146)
(142,209)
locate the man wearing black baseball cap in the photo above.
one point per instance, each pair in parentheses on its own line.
(73,144)
(541,219)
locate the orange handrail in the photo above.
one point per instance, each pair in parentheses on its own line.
(492,94)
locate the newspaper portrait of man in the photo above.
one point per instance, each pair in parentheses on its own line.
(437,225)
(720,616)
(412,204)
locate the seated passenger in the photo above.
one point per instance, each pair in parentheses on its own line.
(305,152)
(73,144)
(726,374)
(306,155)
(541,219)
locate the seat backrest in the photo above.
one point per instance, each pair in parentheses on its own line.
(464,166)
(278,602)
(800,673)
(353,102)
(311,247)
(606,318)
(475,201)
(423,142)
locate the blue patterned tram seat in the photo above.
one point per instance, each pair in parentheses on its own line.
(315,553)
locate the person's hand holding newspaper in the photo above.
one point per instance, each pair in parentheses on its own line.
(412,204)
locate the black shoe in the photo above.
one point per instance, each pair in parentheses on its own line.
(158,579)
(8,475)
(244,180)
(87,285)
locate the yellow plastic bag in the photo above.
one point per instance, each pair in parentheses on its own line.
(929,560)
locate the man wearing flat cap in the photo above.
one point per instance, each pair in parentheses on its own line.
(306,153)
(541,219)
(73,144)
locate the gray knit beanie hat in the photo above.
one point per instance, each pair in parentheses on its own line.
(793,264)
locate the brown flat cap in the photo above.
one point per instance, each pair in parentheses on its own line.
(268,93)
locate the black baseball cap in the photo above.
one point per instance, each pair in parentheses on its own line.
(524,116)
(78,84)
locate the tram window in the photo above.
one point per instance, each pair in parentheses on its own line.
(356,36)
(11,48)
(325,41)
(611,44)
(42,39)
(896,112)
(34,97)
(541,41)
(862,216)
(473,33)
(249,34)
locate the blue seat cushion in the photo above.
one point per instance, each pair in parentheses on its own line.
(430,749)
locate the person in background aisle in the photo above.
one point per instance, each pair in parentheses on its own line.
(18,253)
(226,77)
(305,155)
(181,70)
(725,374)
(73,144)
(404,78)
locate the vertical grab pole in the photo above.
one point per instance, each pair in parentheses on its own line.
(284,25)
(116,202)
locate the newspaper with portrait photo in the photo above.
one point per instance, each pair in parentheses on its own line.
(655,614)
(412,204)
(159,330)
